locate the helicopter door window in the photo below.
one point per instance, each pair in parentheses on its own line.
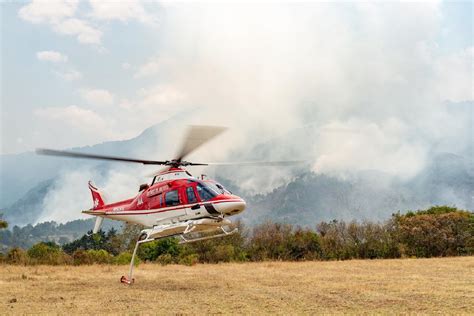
(191,195)
(172,198)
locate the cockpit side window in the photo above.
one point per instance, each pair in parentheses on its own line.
(172,198)
(191,195)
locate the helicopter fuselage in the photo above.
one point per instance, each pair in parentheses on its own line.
(174,196)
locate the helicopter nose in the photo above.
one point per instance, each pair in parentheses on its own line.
(231,206)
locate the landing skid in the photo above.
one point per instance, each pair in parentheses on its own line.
(184,240)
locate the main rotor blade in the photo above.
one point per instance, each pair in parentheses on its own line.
(196,137)
(72,154)
(253,163)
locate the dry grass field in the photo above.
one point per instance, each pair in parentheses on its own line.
(428,286)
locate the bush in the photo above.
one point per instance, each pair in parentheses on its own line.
(354,240)
(304,245)
(48,253)
(165,259)
(438,231)
(81,257)
(283,242)
(152,250)
(17,256)
(99,256)
(189,260)
(125,258)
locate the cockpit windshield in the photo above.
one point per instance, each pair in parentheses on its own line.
(208,190)
(218,188)
(205,192)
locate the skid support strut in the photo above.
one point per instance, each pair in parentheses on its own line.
(144,239)
(141,240)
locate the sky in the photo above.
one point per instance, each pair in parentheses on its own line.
(77,73)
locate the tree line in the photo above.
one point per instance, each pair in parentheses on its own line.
(435,232)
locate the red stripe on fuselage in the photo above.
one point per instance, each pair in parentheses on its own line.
(167,209)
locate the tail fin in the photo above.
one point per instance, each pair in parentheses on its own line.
(96,197)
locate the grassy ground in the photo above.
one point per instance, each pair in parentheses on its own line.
(443,285)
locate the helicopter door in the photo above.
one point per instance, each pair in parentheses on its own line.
(191,197)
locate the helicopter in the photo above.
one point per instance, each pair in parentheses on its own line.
(175,203)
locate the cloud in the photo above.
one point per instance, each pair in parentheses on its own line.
(64,18)
(68,74)
(59,15)
(121,10)
(63,71)
(97,96)
(51,56)
(153,67)
(73,116)
(84,32)
(50,11)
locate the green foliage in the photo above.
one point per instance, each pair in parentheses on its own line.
(48,253)
(189,260)
(434,210)
(125,258)
(100,256)
(90,241)
(152,250)
(91,256)
(224,249)
(165,259)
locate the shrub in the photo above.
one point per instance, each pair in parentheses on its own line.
(17,256)
(81,257)
(224,253)
(48,253)
(189,260)
(367,240)
(99,256)
(304,245)
(125,258)
(269,241)
(283,242)
(438,231)
(152,250)
(165,259)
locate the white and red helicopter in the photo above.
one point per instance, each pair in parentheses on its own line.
(175,203)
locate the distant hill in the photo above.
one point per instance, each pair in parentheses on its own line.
(371,195)
(29,235)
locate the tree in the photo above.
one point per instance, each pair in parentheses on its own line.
(438,231)
(3,224)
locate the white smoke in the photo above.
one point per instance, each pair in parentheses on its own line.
(371,81)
